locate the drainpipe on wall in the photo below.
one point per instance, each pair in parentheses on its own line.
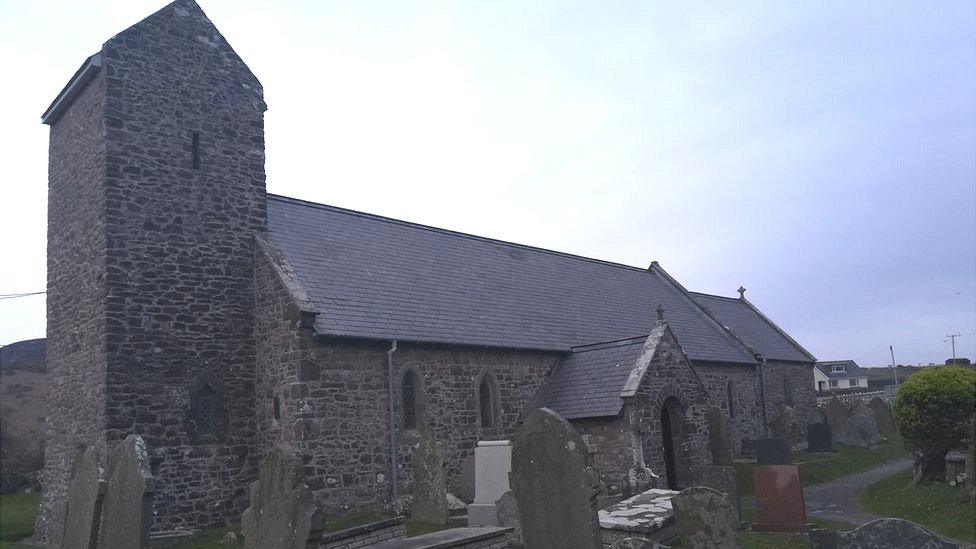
(762,393)
(393,437)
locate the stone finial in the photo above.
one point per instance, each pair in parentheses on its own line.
(742,292)
(660,313)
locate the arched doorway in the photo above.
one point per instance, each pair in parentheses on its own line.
(671,414)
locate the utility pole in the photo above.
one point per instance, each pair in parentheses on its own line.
(952,338)
(894,371)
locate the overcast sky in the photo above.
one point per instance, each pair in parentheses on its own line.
(822,154)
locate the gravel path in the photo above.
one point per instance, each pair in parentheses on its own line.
(840,499)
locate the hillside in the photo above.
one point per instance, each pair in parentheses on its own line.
(22,411)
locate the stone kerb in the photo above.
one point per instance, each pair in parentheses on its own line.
(127,508)
(706,518)
(283,513)
(83,509)
(886,533)
(493,463)
(554,483)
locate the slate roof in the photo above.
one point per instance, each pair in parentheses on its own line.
(753,328)
(587,383)
(853,370)
(380,278)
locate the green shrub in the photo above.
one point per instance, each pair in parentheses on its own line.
(933,410)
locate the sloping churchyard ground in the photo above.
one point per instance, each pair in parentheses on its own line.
(939,507)
(818,468)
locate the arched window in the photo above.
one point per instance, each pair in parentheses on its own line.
(411,398)
(487,401)
(206,415)
(730,396)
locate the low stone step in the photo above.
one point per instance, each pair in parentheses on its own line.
(457,538)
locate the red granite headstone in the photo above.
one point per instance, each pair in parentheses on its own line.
(779,499)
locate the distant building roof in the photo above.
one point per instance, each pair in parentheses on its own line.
(752,327)
(380,278)
(851,369)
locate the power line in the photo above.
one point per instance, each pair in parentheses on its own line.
(15,296)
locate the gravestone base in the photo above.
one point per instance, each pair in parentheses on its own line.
(482,514)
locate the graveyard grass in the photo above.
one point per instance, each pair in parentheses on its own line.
(938,507)
(820,468)
(17,513)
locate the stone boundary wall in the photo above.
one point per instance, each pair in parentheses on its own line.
(366,535)
(847,399)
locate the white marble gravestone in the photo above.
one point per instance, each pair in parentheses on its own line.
(492,463)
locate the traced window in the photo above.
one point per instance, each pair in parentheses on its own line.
(206,417)
(411,398)
(729,392)
(487,400)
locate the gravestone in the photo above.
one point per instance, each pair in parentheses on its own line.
(722,479)
(818,438)
(861,431)
(784,424)
(554,483)
(283,513)
(83,510)
(467,479)
(772,451)
(127,507)
(719,441)
(886,533)
(779,499)
(705,518)
(836,415)
(506,508)
(429,488)
(882,416)
(493,462)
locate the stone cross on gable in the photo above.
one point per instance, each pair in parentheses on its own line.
(742,292)
(660,313)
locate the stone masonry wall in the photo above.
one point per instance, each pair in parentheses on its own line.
(76,359)
(185,193)
(332,400)
(745,421)
(795,377)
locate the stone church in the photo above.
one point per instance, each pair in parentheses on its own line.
(188,305)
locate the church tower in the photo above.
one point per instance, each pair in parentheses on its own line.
(156,189)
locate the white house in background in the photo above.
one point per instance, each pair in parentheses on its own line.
(838,374)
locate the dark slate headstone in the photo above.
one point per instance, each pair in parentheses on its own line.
(554,483)
(429,488)
(719,441)
(127,510)
(819,438)
(706,518)
(886,533)
(883,417)
(84,506)
(836,416)
(772,451)
(283,513)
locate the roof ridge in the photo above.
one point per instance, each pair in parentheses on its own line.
(703,294)
(781,331)
(358,213)
(607,344)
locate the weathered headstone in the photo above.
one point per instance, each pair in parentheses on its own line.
(882,416)
(493,462)
(467,479)
(819,438)
(507,511)
(861,431)
(554,483)
(83,509)
(283,513)
(127,508)
(836,416)
(779,499)
(721,478)
(886,533)
(784,424)
(429,488)
(719,441)
(772,451)
(705,518)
